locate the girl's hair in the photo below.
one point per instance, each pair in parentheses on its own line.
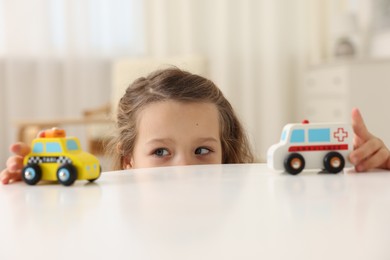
(178,85)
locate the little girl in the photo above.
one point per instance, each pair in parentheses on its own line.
(173,117)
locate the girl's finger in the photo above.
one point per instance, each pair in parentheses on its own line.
(20,149)
(366,150)
(375,161)
(359,127)
(14,164)
(7,177)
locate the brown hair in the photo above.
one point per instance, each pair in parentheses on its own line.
(179,85)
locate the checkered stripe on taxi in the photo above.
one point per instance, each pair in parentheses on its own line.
(49,159)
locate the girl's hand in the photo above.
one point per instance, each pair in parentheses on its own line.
(369,151)
(13,172)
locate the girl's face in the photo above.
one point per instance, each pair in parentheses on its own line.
(177,133)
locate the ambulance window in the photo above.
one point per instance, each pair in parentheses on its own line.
(38,148)
(71,145)
(283,137)
(52,147)
(319,135)
(297,136)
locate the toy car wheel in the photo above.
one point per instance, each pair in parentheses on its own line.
(334,162)
(66,174)
(100,171)
(294,163)
(32,174)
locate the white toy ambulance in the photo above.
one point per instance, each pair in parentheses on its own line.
(312,146)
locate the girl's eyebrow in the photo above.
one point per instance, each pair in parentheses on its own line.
(159,140)
(208,139)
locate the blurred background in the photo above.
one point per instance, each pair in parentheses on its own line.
(277,61)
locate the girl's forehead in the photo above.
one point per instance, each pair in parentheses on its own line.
(173,116)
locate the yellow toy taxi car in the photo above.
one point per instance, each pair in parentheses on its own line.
(55,157)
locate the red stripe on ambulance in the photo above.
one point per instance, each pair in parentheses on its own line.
(304,148)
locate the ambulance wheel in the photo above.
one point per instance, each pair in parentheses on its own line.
(66,174)
(334,162)
(294,163)
(32,174)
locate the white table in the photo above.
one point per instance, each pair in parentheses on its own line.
(200,212)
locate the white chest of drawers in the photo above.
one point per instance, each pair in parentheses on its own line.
(330,91)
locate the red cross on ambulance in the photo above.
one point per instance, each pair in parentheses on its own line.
(340,134)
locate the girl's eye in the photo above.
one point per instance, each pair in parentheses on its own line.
(160,152)
(202,150)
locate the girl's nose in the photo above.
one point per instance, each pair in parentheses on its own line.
(185,159)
